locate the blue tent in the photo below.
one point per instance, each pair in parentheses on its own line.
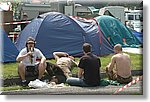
(9,50)
(139,35)
(57,32)
(94,36)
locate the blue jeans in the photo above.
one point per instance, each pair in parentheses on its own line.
(76,82)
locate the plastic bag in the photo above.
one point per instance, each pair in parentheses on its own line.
(38,84)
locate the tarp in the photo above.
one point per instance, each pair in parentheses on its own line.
(116,32)
(139,35)
(57,32)
(9,50)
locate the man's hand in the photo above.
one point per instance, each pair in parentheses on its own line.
(20,58)
(29,53)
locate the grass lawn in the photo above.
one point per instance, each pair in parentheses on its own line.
(10,69)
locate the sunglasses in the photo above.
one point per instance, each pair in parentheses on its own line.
(31,43)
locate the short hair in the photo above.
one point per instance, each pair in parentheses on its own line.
(87,47)
(118,47)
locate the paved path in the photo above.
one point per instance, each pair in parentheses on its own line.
(16,80)
(135,89)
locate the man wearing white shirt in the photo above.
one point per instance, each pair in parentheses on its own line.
(28,61)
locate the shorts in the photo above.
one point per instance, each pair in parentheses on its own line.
(66,70)
(32,70)
(113,76)
(124,80)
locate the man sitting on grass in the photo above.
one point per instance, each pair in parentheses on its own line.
(122,63)
(89,69)
(28,61)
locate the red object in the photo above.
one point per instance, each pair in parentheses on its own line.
(127,85)
(14,23)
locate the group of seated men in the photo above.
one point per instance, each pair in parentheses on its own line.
(60,72)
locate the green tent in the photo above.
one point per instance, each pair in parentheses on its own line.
(116,32)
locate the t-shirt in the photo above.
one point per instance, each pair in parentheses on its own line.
(37,54)
(91,64)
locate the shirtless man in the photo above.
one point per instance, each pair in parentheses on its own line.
(123,66)
(65,62)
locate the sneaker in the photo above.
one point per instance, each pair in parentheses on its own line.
(24,84)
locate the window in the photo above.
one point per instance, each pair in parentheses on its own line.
(130,17)
(137,17)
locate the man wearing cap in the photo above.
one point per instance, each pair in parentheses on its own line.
(28,61)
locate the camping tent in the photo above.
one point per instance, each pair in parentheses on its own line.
(139,35)
(116,32)
(57,32)
(9,50)
(94,35)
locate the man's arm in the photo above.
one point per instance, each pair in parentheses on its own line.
(41,56)
(74,63)
(43,59)
(111,64)
(57,55)
(80,73)
(22,57)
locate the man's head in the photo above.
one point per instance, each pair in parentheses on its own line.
(30,42)
(25,16)
(118,48)
(87,47)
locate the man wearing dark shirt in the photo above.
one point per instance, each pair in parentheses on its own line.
(89,72)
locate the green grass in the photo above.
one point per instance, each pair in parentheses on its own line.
(10,69)
(136,61)
(14,87)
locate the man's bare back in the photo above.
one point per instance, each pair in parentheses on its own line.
(123,64)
